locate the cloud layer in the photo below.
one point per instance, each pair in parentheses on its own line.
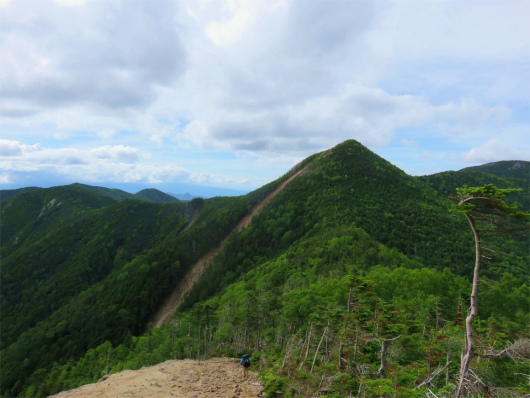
(115,164)
(494,150)
(105,55)
(273,80)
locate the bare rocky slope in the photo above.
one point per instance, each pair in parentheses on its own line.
(176,297)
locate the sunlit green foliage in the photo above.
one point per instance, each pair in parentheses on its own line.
(274,308)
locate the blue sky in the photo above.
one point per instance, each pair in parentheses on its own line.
(194,94)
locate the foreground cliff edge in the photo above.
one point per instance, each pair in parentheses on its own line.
(216,377)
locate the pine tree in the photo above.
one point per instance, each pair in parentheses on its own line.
(487,214)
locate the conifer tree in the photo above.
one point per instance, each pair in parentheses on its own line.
(487,214)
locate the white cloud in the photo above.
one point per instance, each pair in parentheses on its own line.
(110,54)
(106,164)
(232,20)
(301,84)
(71,2)
(273,79)
(470,113)
(141,173)
(369,115)
(445,29)
(106,133)
(10,148)
(492,151)
(117,152)
(15,148)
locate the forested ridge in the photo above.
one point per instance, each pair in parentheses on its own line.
(351,256)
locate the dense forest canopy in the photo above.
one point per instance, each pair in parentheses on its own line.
(351,256)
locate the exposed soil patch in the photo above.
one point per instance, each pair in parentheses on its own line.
(217,377)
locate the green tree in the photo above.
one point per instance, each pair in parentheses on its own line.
(487,213)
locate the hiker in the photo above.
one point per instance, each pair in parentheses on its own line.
(245,362)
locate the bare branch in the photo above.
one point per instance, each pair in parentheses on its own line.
(433,394)
(433,375)
(491,250)
(478,378)
(519,351)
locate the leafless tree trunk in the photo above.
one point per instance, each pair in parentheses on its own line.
(340,357)
(467,352)
(308,346)
(199,344)
(108,361)
(483,204)
(189,340)
(384,348)
(288,351)
(172,333)
(447,373)
(437,308)
(318,348)
(355,347)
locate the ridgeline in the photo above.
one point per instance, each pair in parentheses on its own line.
(351,256)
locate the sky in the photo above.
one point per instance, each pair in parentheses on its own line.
(225,96)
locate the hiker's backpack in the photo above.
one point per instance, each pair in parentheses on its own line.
(246,361)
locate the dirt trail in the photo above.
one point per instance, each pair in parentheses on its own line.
(217,377)
(176,297)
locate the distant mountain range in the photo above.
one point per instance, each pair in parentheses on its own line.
(505,169)
(150,195)
(186,196)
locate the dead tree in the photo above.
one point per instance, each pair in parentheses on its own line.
(308,346)
(324,335)
(385,343)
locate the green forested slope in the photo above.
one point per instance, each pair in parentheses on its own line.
(113,193)
(154,195)
(349,185)
(447,182)
(6,194)
(42,277)
(151,194)
(102,277)
(31,215)
(506,169)
(335,295)
(514,248)
(353,250)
